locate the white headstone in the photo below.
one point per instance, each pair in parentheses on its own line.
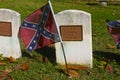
(103,3)
(9,27)
(77,51)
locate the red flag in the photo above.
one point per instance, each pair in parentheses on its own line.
(39,29)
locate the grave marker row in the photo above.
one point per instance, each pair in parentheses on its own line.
(75,29)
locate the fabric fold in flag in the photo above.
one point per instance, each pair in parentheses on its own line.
(114,30)
(39,29)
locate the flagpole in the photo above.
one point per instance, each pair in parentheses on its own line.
(60,39)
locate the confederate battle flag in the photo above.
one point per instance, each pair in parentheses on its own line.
(114,30)
(39,29)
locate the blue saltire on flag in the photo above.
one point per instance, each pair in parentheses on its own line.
(39,29)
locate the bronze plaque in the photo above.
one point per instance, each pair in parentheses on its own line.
(5,29)
(71,32)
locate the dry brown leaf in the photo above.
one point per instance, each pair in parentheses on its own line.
(2,78)
(110,46)
(47,78)
(25,66)
(6,78)
(72,70)
(7,70)
(5,74)
(2,63)
(72,73)
(11,59)
(75,67)
(11,78)
(109,68)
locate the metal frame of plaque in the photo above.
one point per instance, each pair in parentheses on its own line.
(5,29)
(71,32)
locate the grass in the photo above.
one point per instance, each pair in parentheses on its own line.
(48,71)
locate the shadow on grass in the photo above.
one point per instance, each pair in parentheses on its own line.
(91,4)
(46,52)
(107,55)
(49,53)
(115,4)
(26,54)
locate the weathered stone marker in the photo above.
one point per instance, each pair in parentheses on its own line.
(9,27)
(75,30)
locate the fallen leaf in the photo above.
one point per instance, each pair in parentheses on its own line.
(25,66)
(7,70)
(110,46)
(47,78)
(72,70)
(6,78)
(11,78)
(109,68)
(11,59)
(72,73)
(4,75)
(75,67)
(2,63)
